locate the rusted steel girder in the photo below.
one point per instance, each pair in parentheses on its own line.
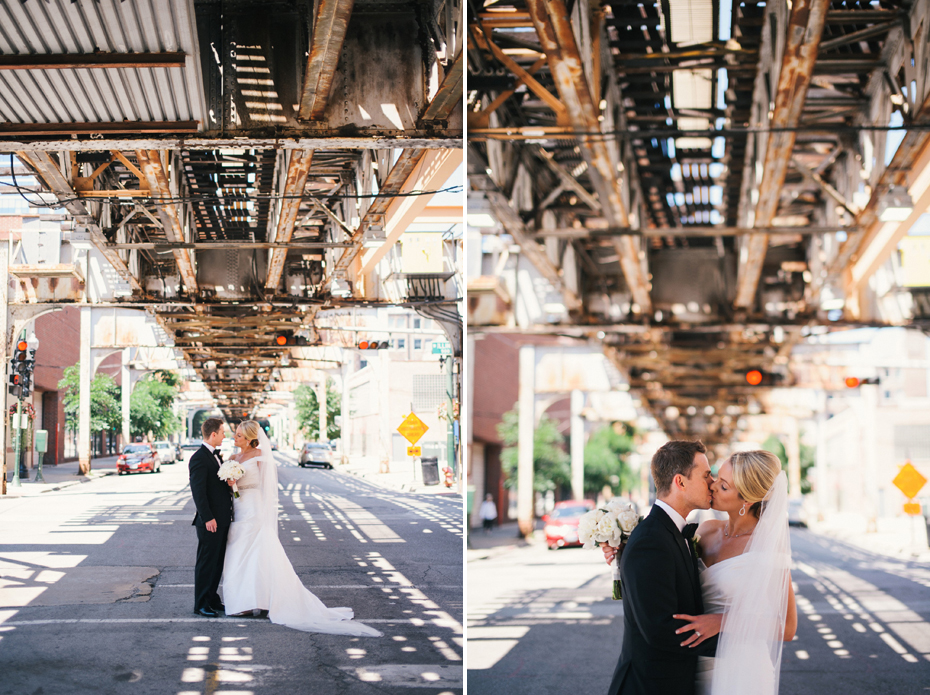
(154,172)
(50,173)
(553,26)
(404,166)
(896,174)
(449,93)
(297,171)
(511,222)
(329,33)
(805,28)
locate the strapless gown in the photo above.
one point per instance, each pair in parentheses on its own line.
(257,573)
(718,583)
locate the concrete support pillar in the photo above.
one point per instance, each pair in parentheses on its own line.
(86,367)
(321,397)
(5,350)
(869,394)
(793,450)
(577,445)
(126,393)
(383,453)
(823,494)
(527,428)
(345,422)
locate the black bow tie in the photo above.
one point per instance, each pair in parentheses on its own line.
(688,530)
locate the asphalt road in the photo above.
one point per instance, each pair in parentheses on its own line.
(96,592)
(542,621)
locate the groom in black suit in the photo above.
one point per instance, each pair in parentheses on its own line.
(213,499)
(659,576)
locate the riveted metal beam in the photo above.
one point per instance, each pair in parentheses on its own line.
(805,27)
(449,93)
(297,170)
(151,165)
(50,173)
(329,33)
(61,61)
(557,38)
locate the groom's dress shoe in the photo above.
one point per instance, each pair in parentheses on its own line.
(219,607)
(206,612)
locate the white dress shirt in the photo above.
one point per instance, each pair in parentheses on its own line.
(675,516)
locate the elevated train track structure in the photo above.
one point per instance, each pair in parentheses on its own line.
(233,168)
(700,183)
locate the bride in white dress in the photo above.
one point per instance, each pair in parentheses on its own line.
(746,579)
(257,573)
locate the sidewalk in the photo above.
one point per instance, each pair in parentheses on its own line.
(59,477)
(502,539)
(403,477)
(904,538)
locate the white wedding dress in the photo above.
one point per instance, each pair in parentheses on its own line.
(718,584)
(257,573)
(751,590)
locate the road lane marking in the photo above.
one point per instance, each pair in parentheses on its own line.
(409,675)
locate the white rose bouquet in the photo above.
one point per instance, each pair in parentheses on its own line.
(231,470)
(611,524)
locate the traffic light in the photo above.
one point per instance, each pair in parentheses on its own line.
(853,382)
(21,366)
(287,338)
(758,377)
(366,344)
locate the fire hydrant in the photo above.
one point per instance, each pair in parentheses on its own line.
(448,474)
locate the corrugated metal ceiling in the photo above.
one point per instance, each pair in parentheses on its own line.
(43,27)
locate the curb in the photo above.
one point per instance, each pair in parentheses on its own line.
(57,486)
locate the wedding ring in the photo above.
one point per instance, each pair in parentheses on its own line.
(697,633)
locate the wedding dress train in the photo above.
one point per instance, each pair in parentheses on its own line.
(257,573)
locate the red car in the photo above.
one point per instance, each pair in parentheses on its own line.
(562,523)
(138,458)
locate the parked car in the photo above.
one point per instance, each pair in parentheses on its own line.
(187,450)
(138,458)
(797,515)
(166,452)
(316,454)
(561,524)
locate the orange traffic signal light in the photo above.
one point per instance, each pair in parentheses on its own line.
(372,344)
(754,377)
(281,339)
(363,345)
(851,382)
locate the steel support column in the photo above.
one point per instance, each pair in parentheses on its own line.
(805,27)
(526,431)
(126,394)
(86,373)
(577,444)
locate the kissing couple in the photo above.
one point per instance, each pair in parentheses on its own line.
(237,540)
(707,613)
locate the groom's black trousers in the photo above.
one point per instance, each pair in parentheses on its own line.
(211,551)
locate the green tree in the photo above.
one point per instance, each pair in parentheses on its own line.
(150,406)
(105,407)
(808,457)
(308,410)
(605,459)
(551,468)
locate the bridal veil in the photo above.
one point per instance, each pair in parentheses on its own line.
(751,637)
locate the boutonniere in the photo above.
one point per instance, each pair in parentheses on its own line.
(695,548)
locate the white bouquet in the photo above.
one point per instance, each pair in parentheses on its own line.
(610,524)
(231,470)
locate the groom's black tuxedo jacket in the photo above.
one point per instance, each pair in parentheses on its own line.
(660,579)
(212,496)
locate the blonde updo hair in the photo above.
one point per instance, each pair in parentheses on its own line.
(250,430)
(754,473)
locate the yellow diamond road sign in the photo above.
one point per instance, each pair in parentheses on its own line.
(412,428)
(909,481)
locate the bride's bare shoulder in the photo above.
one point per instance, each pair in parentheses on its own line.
(710,526)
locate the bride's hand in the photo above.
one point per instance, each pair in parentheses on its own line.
(704,626)
(610,552)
